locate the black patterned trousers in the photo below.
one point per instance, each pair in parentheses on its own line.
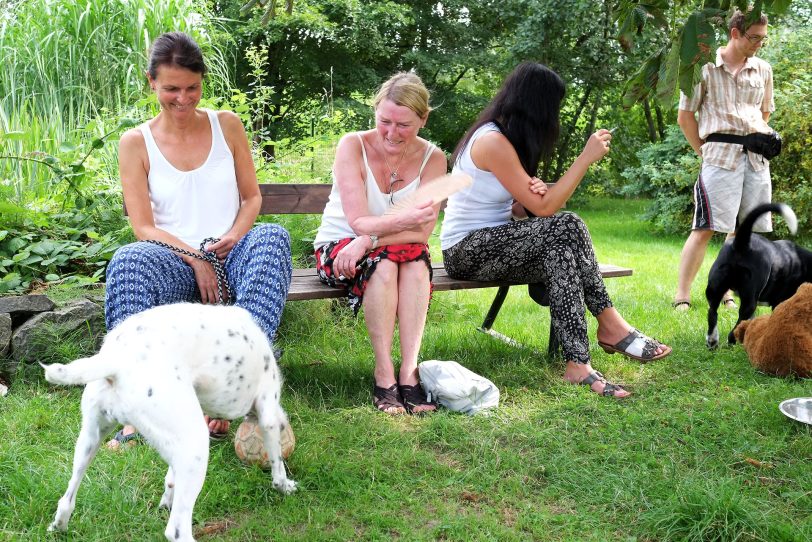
(555,251)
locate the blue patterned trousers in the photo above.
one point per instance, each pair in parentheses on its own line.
(142,275)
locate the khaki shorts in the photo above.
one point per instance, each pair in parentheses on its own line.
(721,196)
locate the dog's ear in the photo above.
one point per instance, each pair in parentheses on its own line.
(738,332)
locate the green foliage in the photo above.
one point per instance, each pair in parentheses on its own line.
(709,511)
(64,247)
(667,172)
(791,57)
(694,27)
(83,56)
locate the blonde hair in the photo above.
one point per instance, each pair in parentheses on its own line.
(405,89)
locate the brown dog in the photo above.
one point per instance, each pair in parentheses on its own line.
(780,343)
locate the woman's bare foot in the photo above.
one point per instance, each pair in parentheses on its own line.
(612,329)
(217,428)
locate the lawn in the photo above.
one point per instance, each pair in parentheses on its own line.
(699,452)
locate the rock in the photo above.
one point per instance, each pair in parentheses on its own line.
(23,306)
(5,332)
(37,335)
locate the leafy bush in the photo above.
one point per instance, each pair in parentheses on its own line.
(70,232)
(791,57)
(667,172)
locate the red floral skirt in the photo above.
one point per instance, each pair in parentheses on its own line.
(409,252)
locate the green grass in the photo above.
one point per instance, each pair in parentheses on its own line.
(699,452)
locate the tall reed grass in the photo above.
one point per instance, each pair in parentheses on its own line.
(68,62)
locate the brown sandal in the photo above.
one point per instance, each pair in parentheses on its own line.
(414,396)
(386,398)
(610,389)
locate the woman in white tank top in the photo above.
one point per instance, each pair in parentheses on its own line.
(384,259)
(553,249)
(187,175)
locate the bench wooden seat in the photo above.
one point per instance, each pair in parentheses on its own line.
(279,199)
(306,285)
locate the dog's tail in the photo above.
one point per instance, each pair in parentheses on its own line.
(742,239)
(79,372)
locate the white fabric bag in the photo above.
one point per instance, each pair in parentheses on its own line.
(456,387)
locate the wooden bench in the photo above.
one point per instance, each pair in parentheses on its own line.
(279,199)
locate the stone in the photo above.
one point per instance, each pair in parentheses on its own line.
(20,307)
(5,332)
(38,333)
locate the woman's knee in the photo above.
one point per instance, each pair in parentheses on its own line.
(136,259)
(571,227)
(416,271)
(269,235)
(386,273)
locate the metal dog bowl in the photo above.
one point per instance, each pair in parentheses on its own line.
(799,409)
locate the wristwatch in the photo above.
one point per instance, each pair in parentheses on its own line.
(374,239)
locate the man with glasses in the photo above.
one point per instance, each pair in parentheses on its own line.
(734,97)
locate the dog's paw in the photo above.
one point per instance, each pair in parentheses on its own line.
(286,486)
(712,339)
(57,526)
(166,502)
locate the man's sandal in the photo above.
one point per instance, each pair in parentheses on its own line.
(387,398)
(610,389)
(414,396)
(729,303)
(120,440)
(636,346)
(681,306)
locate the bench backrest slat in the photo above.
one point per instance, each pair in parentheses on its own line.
(284,199)
(280,199)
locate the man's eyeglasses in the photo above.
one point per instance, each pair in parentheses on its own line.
(755,39)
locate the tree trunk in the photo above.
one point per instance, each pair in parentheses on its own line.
(562,154)
(652,134)
(660,120)
(593,115)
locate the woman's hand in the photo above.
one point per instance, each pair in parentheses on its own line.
(597,146)
(537,186)
(206,279)
(344,264)
(419,216)
(223,247)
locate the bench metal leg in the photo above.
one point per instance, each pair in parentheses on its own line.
(486,326)
(501,294)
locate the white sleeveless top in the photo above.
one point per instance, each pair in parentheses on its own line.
(334,225)
(193,205)
(484,204)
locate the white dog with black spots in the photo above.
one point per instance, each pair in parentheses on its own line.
(161,370)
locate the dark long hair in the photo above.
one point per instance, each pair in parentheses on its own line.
(526,110)
(176,49)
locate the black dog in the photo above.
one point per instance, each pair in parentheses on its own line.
(757,269)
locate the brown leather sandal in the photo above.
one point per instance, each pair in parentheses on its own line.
(414,396)
(386,398)
(610,389)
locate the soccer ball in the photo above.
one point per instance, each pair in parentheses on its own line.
(250,448)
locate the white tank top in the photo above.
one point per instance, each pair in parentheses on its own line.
(334,225)
(484,204)
(193,205)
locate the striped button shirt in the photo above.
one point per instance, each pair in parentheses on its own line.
(731,104)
